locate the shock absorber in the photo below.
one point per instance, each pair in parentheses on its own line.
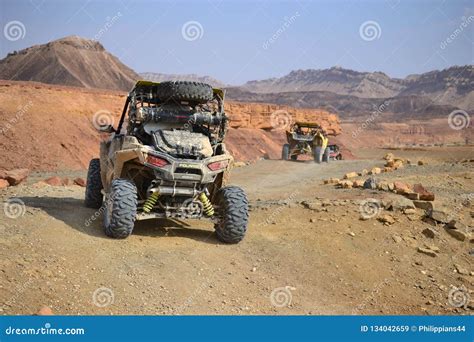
(206,204)
(150,202)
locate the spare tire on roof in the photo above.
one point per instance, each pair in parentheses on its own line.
(195,92)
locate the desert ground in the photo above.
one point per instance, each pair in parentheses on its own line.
(308,249)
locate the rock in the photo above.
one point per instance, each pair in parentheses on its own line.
(39,185)
(429,233)
(457,234)
(425,195)
(401,188)
(346,184)
(421,162)
(332,181)
(382,186)
(4,183)
(351,175)
(312,205)
(54,181)
(389,156)
(312,220)
(375,171)
(387,169)
(15,177)
(412,196)
(370,183)
(461,270)
(409,211)
(386,219)
(45,311)
(80,181)
(394,164)
(66,181)
(398,164)
(453,224)
(400,204)
(351,234)
(364,172)
(236,164)
(396,238)
(427,251)
(440,215)
(428,206)
(359,183)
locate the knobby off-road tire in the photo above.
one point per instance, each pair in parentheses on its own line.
(233,213)
(194,92)
(93,197)
(120,209)
(285,152)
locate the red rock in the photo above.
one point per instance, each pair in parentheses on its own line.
(80,182)
(3,183)
(45,311)
(66,181)
(425,195)
(15,177)
(401,188)
(54,181)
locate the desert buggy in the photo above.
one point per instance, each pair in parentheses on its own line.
(171,162)
(302,139)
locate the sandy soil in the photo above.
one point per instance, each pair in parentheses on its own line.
(294,260)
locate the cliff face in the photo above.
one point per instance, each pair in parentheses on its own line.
(267,117)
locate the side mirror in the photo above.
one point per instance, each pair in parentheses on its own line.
(106,129)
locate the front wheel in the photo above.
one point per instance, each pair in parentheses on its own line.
(120,209)
(233,214)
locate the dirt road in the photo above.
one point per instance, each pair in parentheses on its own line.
(313,257)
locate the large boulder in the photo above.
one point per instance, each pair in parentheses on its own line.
(15,177)
(425,195)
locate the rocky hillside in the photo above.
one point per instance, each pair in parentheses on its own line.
(70,61)
(453,86)
(158,77)
(350,107)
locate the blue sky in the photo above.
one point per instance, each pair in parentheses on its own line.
(245,40)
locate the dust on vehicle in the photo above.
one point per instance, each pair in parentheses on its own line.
(171,162)
(303,138)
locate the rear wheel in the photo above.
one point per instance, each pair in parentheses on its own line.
(93,197)
(339,157)
(120,209)
(232,211)
(285,152)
